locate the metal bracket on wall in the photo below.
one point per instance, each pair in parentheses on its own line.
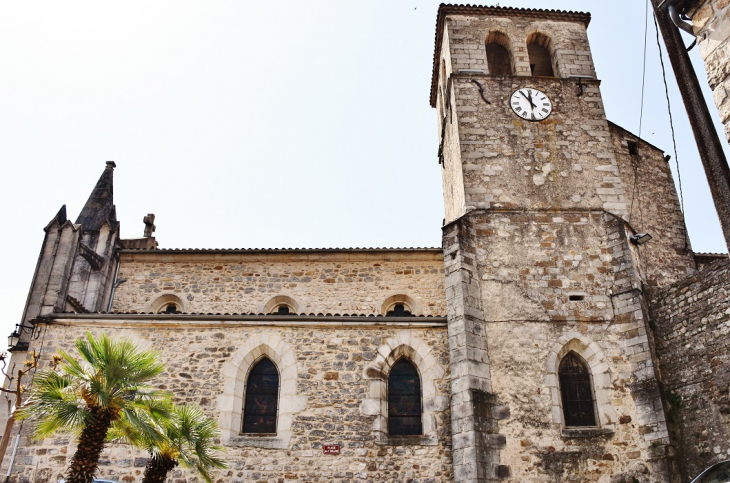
(481,90)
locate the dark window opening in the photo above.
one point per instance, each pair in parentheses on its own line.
(498,59)
(575,297)
(171,309)
(283,310)
(576,392)
(399,310)
(633,148)
(538,51)
(404,400)
(262,394)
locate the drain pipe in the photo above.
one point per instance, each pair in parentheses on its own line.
(674,15)
(12,458)
(671,7)
(115,285)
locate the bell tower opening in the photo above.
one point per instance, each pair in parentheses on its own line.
(539,50)
(499,58)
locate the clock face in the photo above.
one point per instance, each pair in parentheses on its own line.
(531,104)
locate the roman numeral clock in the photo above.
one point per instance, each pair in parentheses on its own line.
(531,104)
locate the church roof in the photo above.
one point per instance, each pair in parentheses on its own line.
(99,208)
(453,9)
(281,250)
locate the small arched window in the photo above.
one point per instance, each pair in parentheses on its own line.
(167,304)
(499,58)
(539,50)
(281,305)
(576,392)
(399,310)
(262,395)
(404,400)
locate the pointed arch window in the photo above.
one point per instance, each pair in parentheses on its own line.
(576,391)
(404,400)
(262,397)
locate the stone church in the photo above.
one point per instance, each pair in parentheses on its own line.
(564,331)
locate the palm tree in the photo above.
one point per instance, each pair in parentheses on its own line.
(189,442)
(108,387)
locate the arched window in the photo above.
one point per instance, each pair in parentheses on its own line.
(262,394)
(399,305)
(539,48)
(167,304)
(281,305)
(576,392)
(499,58)
(399,310)
(404,400)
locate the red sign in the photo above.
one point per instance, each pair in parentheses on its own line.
(331,448)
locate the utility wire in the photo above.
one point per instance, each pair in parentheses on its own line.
(643,70)
(671,123)
(641,109)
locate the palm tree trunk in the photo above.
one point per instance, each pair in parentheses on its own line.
(157,469)
(91,444)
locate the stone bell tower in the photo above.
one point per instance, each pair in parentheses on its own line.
(553,374)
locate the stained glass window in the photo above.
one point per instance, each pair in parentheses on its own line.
(262,394)
(404,400)
(576,392)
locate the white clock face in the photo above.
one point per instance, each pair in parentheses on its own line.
(531,104)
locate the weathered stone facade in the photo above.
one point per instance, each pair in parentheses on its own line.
(332,365)
(692,323)
(319,281)
(539,262)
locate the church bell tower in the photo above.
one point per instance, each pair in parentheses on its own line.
(550,358)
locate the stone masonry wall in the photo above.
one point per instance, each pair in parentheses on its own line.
(333,380)
(320,282)
(566,161)
(452,173)
(653,206)
(711,22)
(529,321)
(691,325)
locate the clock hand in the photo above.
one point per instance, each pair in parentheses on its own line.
(528,98)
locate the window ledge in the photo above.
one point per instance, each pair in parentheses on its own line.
(417,440)
(587,432)
(262,440)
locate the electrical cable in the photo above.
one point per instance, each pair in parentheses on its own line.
(671,123)
(641,109)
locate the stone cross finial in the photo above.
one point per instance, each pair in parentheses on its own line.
(149,225)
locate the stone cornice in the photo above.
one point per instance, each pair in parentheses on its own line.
(244,320)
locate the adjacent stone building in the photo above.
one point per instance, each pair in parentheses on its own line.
(537,344)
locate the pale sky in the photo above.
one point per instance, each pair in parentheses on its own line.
(265,124)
